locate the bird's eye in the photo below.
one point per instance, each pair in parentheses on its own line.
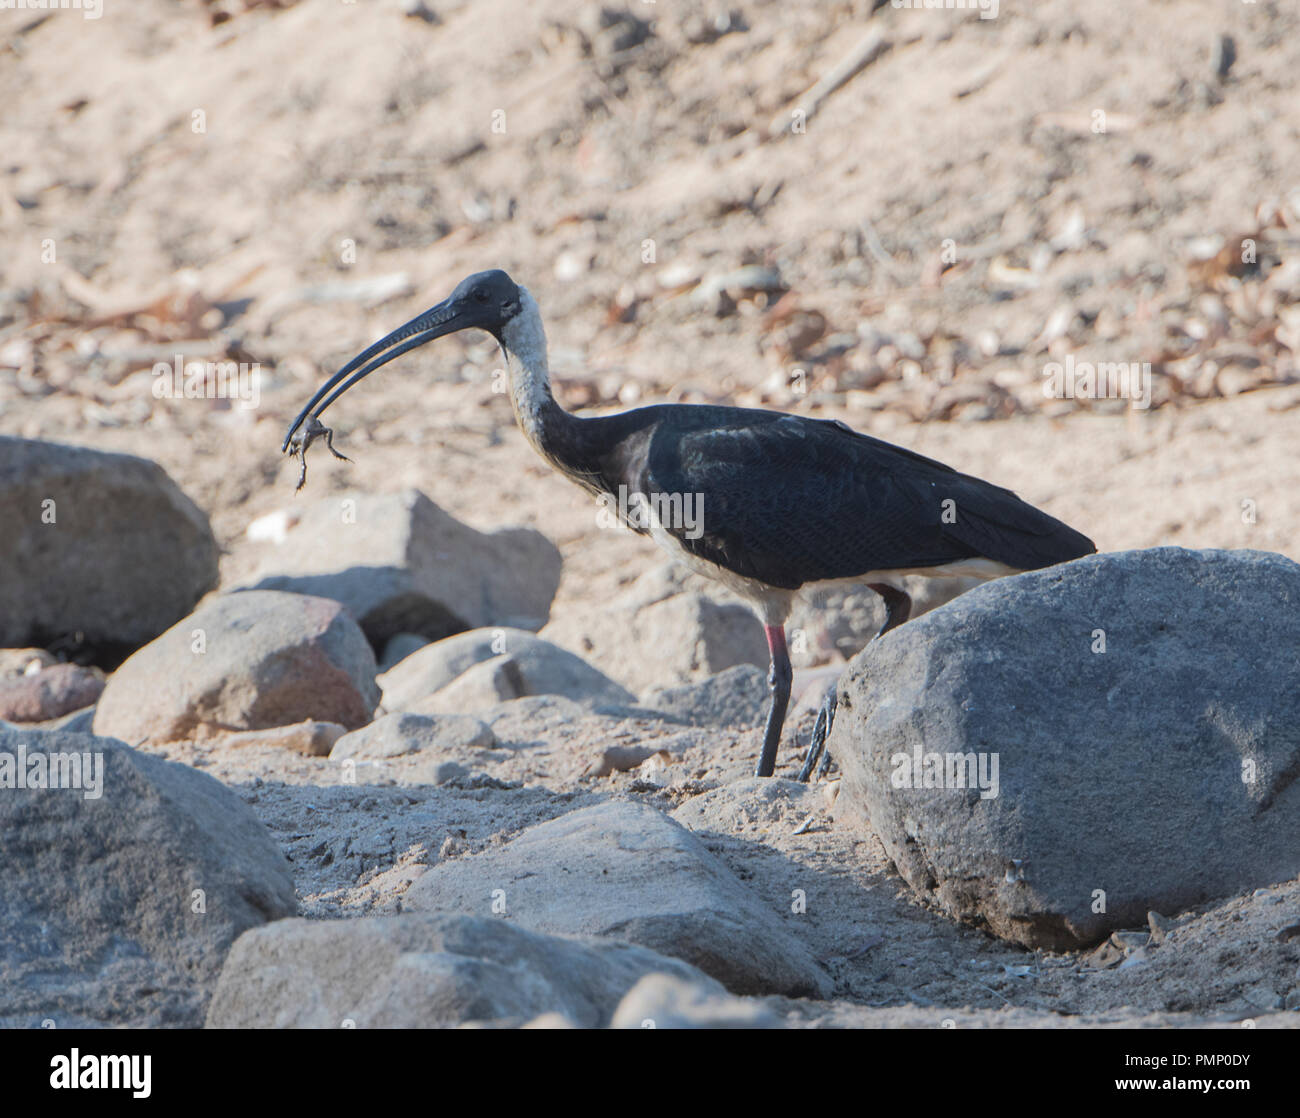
(480,296)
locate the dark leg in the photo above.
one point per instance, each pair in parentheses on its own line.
(779,678)
(898,606)
(817,748)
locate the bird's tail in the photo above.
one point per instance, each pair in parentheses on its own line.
(1000,526)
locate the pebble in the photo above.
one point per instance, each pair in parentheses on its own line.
(619,758)
(449,772)
(310,738)
(1160,927)
(1130,941)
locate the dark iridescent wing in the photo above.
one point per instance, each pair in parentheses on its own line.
(788,500)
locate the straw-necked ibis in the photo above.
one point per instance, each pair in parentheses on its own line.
(778,502)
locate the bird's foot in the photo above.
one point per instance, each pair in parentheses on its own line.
(821,731)
(307,434)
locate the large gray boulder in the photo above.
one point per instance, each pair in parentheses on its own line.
(625,870)
(428,971)
(403,565)
(98,544)
(475,670)
(120,897)
(246,661)
(1143,712)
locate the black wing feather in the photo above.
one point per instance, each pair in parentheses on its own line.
(788,500)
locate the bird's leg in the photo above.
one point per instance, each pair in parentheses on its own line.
(779,678)
(822,728)
(898,607)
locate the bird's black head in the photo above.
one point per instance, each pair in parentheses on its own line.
(483,301)
(487,300)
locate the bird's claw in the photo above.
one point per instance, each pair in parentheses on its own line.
(302,439)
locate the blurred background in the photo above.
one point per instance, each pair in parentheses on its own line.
(890,216)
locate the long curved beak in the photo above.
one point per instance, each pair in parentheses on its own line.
(445,318)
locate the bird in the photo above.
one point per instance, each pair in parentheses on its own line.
(768,503)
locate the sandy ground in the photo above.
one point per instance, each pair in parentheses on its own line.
(217,180)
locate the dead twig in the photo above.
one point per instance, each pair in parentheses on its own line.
(852,64)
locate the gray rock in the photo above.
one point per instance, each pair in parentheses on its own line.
(425,971)
(247,661)
(126,553)
(311,739)
(482,687)
(625,870)
(78,722)
(1160,927)
(398,648)
(98,920)
(436,664)
(397,734)
(737,697)
(1156,774)
(536,719)
(539,720)
(662,632)
(476,670)
(49,693)
(403,565)
(619,759)
(449,772)
(661,1001)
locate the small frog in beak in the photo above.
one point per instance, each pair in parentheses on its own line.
(308,433)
